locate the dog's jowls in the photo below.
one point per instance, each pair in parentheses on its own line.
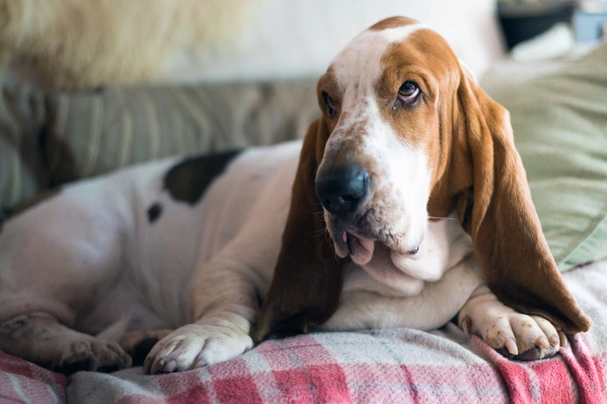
(407,194)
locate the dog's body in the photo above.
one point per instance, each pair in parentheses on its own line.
(130,244)
(170,248)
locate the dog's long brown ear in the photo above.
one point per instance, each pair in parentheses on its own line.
(497,210)
(308,277)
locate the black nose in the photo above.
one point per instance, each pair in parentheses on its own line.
(341,189)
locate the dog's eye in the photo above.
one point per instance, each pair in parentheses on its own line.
(408,92)
(415,251)
(329,103)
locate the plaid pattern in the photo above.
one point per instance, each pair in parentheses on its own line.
(334,368)
(377,366)
(24,382)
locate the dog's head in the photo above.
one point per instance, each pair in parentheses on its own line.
(381,100)
(406,134)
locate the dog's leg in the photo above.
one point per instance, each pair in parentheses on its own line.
(511,333)
(225,304)
(52,270)
(226,290)
(40,338)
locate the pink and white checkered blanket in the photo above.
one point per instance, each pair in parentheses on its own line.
(394,366)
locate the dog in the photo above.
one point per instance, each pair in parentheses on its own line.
(406,205)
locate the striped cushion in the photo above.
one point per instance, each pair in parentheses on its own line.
(47,140)
(22,169)
(95,132)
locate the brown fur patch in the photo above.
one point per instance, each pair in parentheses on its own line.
(327,83)
(480,172)
(427,60)
(392,22)
(308,277)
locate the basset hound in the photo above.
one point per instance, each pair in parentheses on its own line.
(406,205)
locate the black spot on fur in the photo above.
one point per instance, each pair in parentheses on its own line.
(154,212)
(188,180)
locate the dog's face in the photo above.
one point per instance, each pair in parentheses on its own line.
(380,97)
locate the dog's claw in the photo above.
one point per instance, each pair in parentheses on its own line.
(542,342)
(563,338)
(511,347)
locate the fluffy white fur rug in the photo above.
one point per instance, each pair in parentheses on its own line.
(73,44)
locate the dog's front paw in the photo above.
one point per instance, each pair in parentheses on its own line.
(196,345)
(92,354)
(515,335)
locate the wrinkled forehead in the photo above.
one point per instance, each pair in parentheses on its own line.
(362,57)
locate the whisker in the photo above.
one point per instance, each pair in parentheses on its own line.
(443,218)
(319,215)
(322,232)
(317,233)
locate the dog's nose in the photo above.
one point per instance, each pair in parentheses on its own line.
(341,189)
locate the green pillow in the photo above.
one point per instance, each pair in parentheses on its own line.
(560,130)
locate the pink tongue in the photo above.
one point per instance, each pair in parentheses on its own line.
(362,250)
(345,237)
(369,245)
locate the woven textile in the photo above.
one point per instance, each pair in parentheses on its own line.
(380,366)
